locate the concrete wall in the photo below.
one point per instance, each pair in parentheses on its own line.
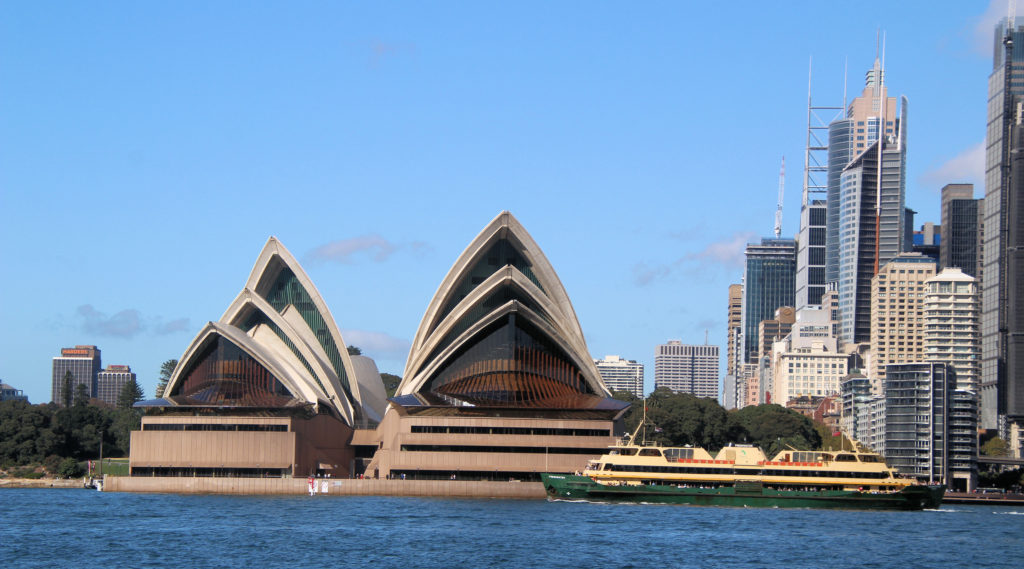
(335,487)
(307,445)
(396,430)
(210,449)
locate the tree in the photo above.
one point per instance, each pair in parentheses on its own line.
(125,421)
(774,428)
(994,447)
(81,395)
(166,370)
(677,419)
(391,382)
(26,433)
(130,394)
(69,468)
(832,440)
(69,385)
(354,351)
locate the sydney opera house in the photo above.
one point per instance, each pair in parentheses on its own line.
(498,384)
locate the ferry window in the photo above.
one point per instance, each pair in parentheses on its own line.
(845,458)
(650,452)
(627,451)
(868,458)
(678,453)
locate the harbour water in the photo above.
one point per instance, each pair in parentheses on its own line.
(82,528)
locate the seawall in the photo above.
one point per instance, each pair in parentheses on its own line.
(335,487)
(42,483)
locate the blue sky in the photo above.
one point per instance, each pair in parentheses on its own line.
(148,150)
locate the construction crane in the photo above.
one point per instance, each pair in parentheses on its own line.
(782,187)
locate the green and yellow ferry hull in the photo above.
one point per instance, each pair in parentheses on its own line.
(741,494)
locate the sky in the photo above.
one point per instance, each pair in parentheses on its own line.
(148,150)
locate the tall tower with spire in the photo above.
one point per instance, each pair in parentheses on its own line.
(848,138)
(1002,324)
(871,201)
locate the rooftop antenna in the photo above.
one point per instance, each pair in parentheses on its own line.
(883,103)
(782,187)
(846,75)
(1011,9)
(807,153)
(705,336)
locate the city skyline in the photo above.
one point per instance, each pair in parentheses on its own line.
(148,153)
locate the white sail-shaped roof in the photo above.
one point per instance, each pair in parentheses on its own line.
(501,276)
(283,324)
(262,350)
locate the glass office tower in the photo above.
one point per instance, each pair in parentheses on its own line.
(769,281)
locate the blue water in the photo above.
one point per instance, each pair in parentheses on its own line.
(82,529)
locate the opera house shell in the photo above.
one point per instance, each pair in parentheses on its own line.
(268,390)
(499,383)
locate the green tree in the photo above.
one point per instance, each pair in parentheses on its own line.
(26,433)
(773,428)
(130,394)
(124,422)
(832,440)
(69,468)
(81,395)
(354,351)
(68,392)
(166,370)
(677,419)
(994,447)
(391,382)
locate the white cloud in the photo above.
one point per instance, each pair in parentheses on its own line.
(985,25)
(727,253)
(967,167)
(125,324)
(343,250)
(346,251)
(174,326)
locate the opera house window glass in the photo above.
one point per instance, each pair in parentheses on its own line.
(511,362)
(224,374)
(500,254)
(286,290)
(258,318)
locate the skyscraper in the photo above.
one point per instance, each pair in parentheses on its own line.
(110,381)
(951,332)
(769,282)
(926,241)
(960,242)
(733,384)
(1005,86)
(871,226)
(1011,384)
(84,364)
(810,255)
(848,138)
(687,369)
(622,375)
(734,322)
(917,401)
(897,313)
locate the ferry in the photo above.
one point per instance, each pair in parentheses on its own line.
(742,476)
